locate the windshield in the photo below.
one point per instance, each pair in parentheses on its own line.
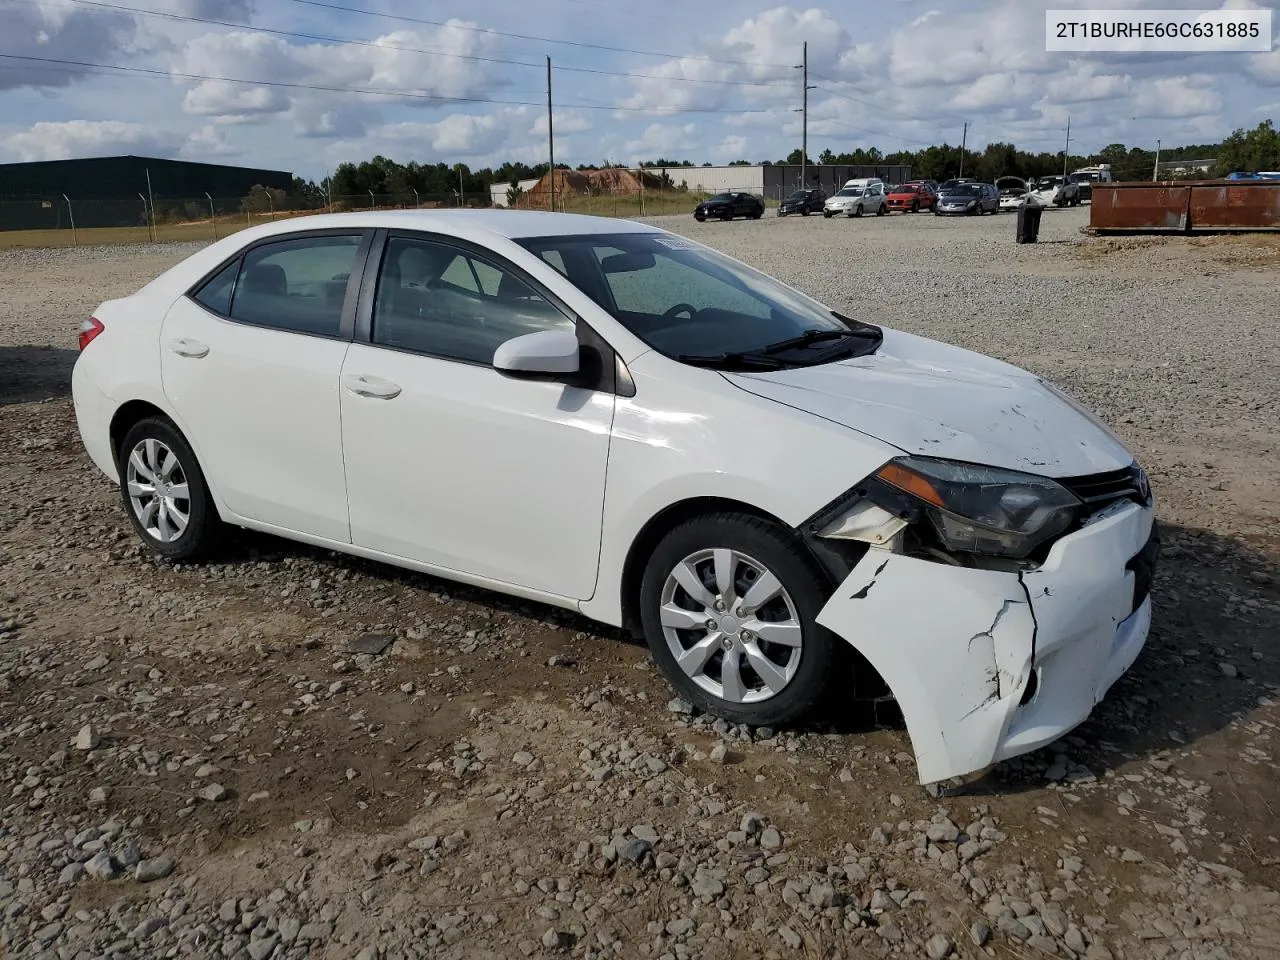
(850,192)
(688,301)
(907,188)
(965,190)
(721,198)
(799,195)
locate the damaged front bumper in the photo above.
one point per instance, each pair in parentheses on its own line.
(987,664)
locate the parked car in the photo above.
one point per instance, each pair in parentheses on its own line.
(912,198)
(528,402)
(857,197)
(726,206)
(968,198)
(1014,192)
(803,202)
(1057,191)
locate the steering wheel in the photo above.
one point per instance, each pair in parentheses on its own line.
(680,308)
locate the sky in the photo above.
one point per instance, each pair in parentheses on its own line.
(302,85)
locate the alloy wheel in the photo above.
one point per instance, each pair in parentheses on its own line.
(731,626)
(158,490)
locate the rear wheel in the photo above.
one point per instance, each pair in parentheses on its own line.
(728,605)
(164,491)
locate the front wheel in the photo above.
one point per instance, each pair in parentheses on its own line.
(165,493)
(826,214)
(804,213)
(729,605)
(915,206)
(857,212)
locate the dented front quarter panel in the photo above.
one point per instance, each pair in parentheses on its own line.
(954,644)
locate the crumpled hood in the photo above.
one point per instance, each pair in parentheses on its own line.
(933,399)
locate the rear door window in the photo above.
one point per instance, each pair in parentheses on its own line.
(298,285)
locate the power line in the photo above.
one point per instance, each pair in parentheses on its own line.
(524,36)
(382,45)
(145,72)
(885,97)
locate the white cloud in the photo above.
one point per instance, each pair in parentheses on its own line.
(208,141)
(90,138)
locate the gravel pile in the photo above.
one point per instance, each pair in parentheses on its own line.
(290,754)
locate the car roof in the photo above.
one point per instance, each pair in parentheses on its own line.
(511,224)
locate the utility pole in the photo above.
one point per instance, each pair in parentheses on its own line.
(551,144)
(804,120)
(462,188)
(964,140)
(152,200)
(72,215)
(213,215)
(1155,173)
(1066,150)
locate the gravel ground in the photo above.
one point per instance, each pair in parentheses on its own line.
(201,761)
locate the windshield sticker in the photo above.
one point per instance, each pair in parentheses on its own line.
(676,243)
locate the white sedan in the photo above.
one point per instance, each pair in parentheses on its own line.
(608,417)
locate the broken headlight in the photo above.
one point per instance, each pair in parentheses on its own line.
(984,510)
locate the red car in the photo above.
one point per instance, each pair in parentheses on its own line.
(912,197)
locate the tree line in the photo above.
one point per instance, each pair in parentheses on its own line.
(1252,150)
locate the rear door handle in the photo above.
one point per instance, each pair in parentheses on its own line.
(363,385)
(184,347)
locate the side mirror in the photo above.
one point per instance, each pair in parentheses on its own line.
(546,353)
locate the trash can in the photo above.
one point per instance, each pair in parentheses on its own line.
(1029,221)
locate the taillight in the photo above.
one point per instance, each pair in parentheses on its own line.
(90,329)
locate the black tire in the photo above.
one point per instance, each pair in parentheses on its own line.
(204,529)
(776,549)
(915,206)
(826,214)
(857,211)
(701,219)
(804,212)
(881,210)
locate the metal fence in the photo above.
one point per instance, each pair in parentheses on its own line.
(68,220)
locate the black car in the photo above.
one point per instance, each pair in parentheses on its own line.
(726,206)
(803,202)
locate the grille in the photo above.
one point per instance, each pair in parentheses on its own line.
(1099,488)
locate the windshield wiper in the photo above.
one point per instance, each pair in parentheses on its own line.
(757,360)
(810,337)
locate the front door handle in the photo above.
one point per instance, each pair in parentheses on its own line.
(185,347)
(365,386)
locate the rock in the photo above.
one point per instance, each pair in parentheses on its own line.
(706,885)
(751,823)
(71,873)
(881,901)
(790,937)
(87,739)
(49,932)
(1013,928)
(559,660)
(1043,944)
(634,849)
(1056,771)
(148,927)
(214,793)
(1074,940)
(938,947)
(311,932)
(680,926)
(645,832)
(944,832)
(97,796)
(372,644)
(890,931)
(1131,856)
(719,753)
(979,933)
(553,939)
(1055,919)
(288,929)
(261,949)
(683,707)
(156,868)
(824,895)
(1228,669)
(770,838)
(522,758)
(102,866)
